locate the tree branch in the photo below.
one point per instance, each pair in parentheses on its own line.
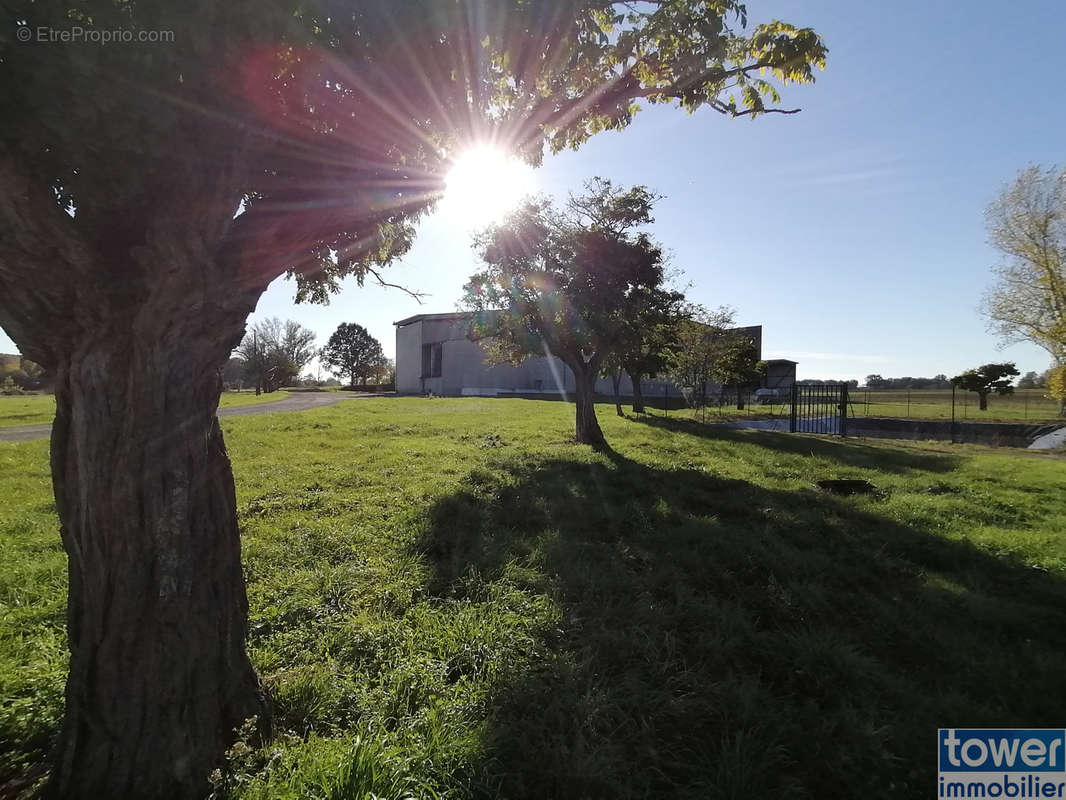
(381,282)
(40,248)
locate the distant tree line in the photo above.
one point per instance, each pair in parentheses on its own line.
(1030,380)
(852,384)
(936,382)
(274,355)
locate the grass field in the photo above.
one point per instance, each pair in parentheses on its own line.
(1024,405)
(449,599)
(35,409)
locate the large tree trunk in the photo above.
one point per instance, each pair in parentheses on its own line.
(616,379)
(983,400)
(159,676)
(587,426)
(136,324)
(638,393)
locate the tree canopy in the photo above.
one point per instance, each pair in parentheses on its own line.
(328,126)
(1056,386)
(564,282)
(276,352)
(986,379)
(353,352)
(703,337)
(1027,225)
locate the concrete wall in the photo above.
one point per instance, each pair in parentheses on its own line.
(997,434)
(780,376)
(409,358)
(464,371)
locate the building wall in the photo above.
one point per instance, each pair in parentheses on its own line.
(463,367)
(409,358)
(464,371)
(780,376)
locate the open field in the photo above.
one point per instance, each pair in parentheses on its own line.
(450,599)
(34,409)
(1025,405)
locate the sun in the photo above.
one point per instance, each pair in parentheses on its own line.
(484,185)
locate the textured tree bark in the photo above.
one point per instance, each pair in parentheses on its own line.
(638,393)
(587,426)
(136,323)
(159,675)
(983,401)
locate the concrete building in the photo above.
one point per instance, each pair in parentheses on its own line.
(435,354)
(780,375)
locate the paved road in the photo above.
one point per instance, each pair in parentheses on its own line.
(294,401)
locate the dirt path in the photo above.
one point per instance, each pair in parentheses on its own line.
(294,401)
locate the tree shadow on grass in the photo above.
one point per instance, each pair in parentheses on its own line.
(848,453)
(718,639)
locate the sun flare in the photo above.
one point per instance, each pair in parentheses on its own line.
(484,185)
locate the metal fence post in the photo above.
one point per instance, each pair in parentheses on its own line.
(843,409)
(953,414)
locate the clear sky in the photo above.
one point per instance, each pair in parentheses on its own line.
(853,231)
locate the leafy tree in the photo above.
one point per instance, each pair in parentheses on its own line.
(737,363)
(352,351)
(701,338)
(1027,224)
(939,381)
(387,372)
(1056,386)
(563,283)
(152,191)
(986,379)
(233,372)
(1030,380)
(276,352)
(648,329)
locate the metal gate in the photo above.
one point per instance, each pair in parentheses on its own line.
(819,408)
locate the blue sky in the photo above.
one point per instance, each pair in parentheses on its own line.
(853,231)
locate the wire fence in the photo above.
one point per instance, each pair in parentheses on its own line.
(1024,405)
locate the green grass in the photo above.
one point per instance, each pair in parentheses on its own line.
(1025,405)
(450,599)
(37,409)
